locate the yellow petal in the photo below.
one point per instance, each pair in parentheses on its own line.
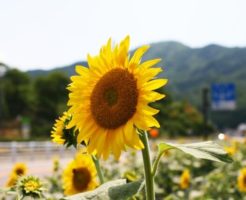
(152,96)
(141,124)
(149,110)
(155,84)
(86,129)
(98,141)
(116,142)
(136,58)
(149,63)
(106,151)
(81,70)
(128,129)
(147,75)
(152,122)
(123,51)
(131,136)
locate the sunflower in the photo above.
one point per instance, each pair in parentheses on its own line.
(241,180)
(58,134)
(30,186)
(109,99)
(185,179)
(231,150)
(79,175)
(18,170)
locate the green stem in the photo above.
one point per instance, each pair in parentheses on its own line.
(149,179)
(98,168)
(156,163)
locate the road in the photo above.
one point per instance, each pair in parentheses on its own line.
(37,156)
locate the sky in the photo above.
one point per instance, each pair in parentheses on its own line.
(45,34)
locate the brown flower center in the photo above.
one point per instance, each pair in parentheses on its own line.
(114,98)
(244,181)
(19,172)
(81,178)
(186,181)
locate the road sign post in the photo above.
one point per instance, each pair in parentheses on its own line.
(205,109)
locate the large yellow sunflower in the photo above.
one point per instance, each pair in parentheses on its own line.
(57,133)
(110,98)
(79,175)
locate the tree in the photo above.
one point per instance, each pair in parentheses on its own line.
(16,93)
(178,117)
(50,100)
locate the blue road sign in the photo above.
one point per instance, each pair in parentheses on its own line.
(223,96)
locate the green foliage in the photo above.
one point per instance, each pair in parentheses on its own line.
(42,99)
(17,94)
(50,101)
(179,117)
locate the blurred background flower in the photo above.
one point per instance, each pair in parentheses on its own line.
(79,175)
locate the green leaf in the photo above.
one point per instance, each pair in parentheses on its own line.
(162,147)
(124,191)
(113,190)
(205,150)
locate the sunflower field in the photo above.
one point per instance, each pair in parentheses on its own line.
(179,176)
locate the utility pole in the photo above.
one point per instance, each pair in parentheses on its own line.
(205,109)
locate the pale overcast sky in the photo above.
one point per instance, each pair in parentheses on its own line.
(49,33)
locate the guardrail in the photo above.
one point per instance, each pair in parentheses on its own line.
(32,150)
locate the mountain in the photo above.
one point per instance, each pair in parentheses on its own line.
(69,70)
(191,69)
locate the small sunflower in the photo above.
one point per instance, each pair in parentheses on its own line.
(109,99)
(185,179)
(231,150)
(79,175)
(241,180)
(18,170)
(60,133)
(30,186)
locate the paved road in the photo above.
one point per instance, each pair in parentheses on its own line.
(38,157)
